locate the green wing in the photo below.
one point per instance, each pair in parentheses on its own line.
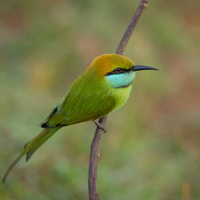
(82,108)
(83,102)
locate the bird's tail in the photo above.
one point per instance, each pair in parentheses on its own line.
(32,146)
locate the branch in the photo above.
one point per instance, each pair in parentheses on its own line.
(94,153)
(124,41)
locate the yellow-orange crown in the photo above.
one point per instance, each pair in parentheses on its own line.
(108,62)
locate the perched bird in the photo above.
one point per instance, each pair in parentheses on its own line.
(104,86)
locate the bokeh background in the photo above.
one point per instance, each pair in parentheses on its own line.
(151,150)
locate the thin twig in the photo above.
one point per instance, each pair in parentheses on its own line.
(124,41)
(94,153)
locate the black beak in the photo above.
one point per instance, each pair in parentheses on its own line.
(142,67)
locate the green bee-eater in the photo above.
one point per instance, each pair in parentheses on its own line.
(104,86)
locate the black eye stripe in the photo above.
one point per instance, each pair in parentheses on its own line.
(117,70)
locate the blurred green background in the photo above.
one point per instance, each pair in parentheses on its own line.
(151,150)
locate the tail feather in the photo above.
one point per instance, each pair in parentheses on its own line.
(12,165)
(35,143)
(31,147)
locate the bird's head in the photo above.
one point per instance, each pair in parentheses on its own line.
(118,70)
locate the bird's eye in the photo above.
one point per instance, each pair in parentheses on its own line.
(118,70)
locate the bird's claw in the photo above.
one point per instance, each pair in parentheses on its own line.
(101,126)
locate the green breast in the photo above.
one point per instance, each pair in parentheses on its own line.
(121,95)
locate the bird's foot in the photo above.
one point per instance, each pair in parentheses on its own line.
(101,126)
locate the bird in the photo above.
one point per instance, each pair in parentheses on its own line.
(104,87)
